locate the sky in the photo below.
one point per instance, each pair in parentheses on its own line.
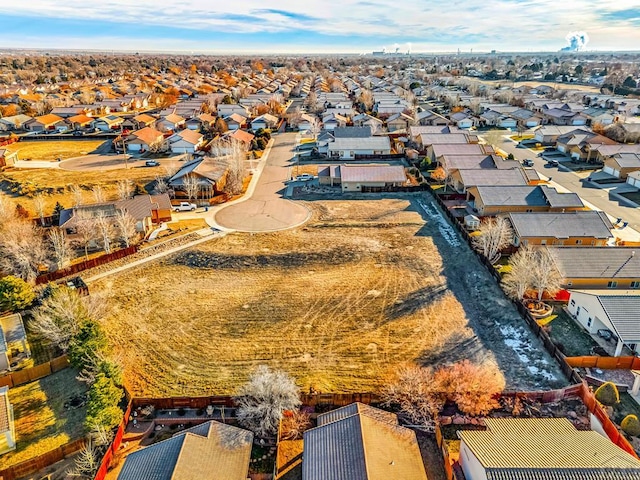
(318,26)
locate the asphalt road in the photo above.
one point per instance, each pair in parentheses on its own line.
(266,210)
(600,198)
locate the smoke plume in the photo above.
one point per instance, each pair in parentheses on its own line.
(577,42)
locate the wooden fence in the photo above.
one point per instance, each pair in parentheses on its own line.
(34,465)
(20,377)
(115,445)
(448,467)
(86,264)
(605,363)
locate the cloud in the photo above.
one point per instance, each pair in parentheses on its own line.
(536,24)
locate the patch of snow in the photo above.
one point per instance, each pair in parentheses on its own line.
(517,339)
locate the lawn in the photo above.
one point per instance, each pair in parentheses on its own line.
(565,331)
(22,184)
(42,421)
(339,303)
(52,150)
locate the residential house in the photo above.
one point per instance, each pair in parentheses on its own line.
(306,121)
(607,310)
(598,115)
(598,267)
(225,110)
(146,210)
(108,123)
(334,120)
(399,121)
(497,119)
(588,228)
(633,179)
(526,118)
(542,449)
(66,112)
(81,122)
(462,180)
(144,140)
(14,122)
(7,158)
(352,132)
(235,121)
(13,341)
(185,141)
(144,120)
(548,134)
(561,116)
(363,178)
(579,144)
(490,200)
(429,140)
(431,118)
(7,425)
(364,119)
(361,442)
(240,136)
(452,163)
(266,121)
(200,122)
(621,165)
(350,148)
(439,150)
(44,123)
(171,122)
(211,174)
(416,131)
(601,152)
(463,120)
(210,451)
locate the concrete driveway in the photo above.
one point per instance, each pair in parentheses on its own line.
(265,209)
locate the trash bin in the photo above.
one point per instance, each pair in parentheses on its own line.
(206,209)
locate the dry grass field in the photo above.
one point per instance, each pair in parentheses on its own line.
(55,183)
(339,303)
(52,149)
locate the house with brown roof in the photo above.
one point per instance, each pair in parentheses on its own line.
(45,123)
(542,449)
(7,425)
(363,178)
(144,140)
(621,165)
(235,121)
(144,120)
(210,451)
(185,141)
(171,122)
(80,121)
(361,442)
(210,173)
(108,123)
(491,200)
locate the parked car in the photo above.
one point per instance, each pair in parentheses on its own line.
(77,133)
(606,334)
(185,207)
(552,163)
(527,162)
(305,177)
(151,163)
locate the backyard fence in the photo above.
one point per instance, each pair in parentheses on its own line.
(605,363)
(86,264)
(20,377)
(115,445)
(34,465)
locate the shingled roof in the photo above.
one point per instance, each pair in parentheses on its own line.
(211,451)
(547,449)
(597,262)
(561,225)
(358,442)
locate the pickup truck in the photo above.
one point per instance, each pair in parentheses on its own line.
(185,207)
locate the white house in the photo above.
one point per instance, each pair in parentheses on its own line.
(185,141)
(348,148)
(541,449)
(633,179)
(360,178)
(224,110)
(264,121)
(616,311)
(108,123)
(145,139)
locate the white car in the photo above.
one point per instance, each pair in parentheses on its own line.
(185,207)
(305,177)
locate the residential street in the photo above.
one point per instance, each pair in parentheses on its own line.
(571,181)
(264,209)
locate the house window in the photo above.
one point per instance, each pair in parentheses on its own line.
(573,303)
(569,283)
(635,284)
(351,153)
(578,242)
(589,321)
(612,284)
(543,242)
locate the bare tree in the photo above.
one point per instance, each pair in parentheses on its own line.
(39,204)
(106,232)
(87,462)
(191,186)
(532,268)
(237,156)
(495,234)
(98,194)
(171,168)
(294,425)
(59,317)
(315,126)
(264,398)
(494,138)
(161,185)
(125,189)
(157,146)
(60,246)
(126,228)
(22,248)
(366,98)
(78,196)
(86,233)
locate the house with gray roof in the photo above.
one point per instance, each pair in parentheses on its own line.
(493,200)
(616,311)
(542,449)
(463,179)
(621,165)
(210,451)
(361,442)
(349,148)
(595,268)
(588,228)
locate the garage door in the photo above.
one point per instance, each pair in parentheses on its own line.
(608,170)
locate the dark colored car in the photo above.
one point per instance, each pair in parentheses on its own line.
(552,163)
(527,162)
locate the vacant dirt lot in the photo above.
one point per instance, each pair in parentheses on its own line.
(365,286)
(52,149)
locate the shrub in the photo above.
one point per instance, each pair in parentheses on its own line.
(15,294)
(607,394)
(84,345)
(631,425)
(103,407)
